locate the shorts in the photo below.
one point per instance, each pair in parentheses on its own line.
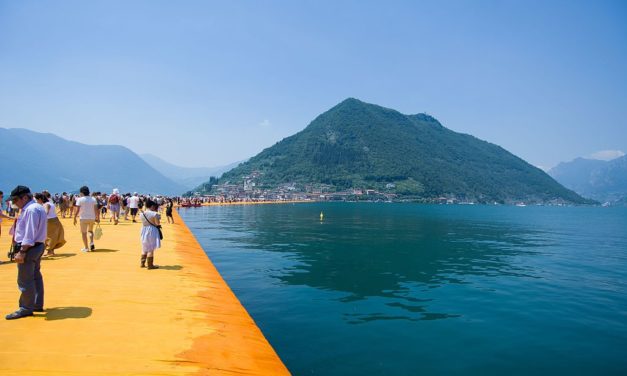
(87,225)
(134,211)
(115,208)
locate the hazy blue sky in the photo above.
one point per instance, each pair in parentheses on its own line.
(203,83)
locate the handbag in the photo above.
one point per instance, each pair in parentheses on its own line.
(158,227)
(98,232)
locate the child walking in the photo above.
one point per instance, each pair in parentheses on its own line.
(150,234)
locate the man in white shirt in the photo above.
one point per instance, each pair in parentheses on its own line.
(133,204)
(87,206)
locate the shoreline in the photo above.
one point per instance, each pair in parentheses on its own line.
(393,202)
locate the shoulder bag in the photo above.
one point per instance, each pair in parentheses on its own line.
(158,227)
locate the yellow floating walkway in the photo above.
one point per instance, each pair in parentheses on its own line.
(107,316)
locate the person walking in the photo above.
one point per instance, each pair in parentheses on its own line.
(29,234)
(2,215)
(72,207)
(55,237)
(102,203)
(133,204)
(114,205)
(168,210)
(125,205)
(63,204)
(150,234)
(87,206)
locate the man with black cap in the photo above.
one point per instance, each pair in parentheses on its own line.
(30,231)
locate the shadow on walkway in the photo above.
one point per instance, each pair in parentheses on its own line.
(105,250)
(170,267)
(61,313)
(57,256)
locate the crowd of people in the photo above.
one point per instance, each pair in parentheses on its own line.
(37,229)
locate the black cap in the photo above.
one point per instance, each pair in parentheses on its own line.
(19,191)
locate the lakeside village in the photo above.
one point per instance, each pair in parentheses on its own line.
(249,191)
(226,193)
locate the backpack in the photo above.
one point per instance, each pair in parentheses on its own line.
(114,199)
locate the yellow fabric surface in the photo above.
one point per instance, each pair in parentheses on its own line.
(105,315)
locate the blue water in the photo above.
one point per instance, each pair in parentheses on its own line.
(407,289)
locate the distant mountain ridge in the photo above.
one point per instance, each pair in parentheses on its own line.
(605,181)
(356,144)
(46,161)
(189,177)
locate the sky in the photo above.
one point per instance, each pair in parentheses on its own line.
(208,83)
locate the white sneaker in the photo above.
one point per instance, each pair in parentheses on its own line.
(84,250)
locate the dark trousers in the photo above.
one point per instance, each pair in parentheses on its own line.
(30,280)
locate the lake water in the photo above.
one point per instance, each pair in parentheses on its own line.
(408,289)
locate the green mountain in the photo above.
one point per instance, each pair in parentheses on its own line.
(360,145)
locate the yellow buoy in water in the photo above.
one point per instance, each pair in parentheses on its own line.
(321,216)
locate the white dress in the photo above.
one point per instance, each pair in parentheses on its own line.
(150,234)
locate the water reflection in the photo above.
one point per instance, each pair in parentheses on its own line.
(371,252)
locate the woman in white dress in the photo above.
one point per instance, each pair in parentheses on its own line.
(150,235)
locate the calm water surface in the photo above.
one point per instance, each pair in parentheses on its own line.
(404,289)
